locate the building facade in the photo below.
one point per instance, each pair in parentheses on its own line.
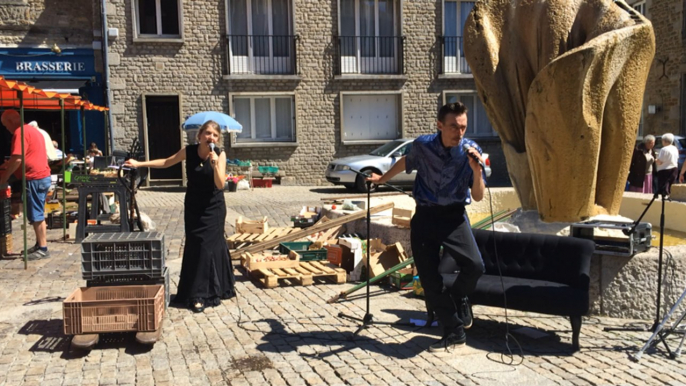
(55,47)
(310,81)
(664,104)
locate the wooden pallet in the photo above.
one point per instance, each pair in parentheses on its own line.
(242,240)
(303,275)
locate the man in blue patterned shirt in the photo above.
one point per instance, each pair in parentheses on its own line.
(447,171)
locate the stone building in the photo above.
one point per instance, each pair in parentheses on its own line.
(664,106)
(57,47)
(309,80)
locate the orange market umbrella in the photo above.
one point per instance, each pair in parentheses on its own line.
(19,95)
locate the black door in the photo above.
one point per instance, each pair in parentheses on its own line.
(164,136)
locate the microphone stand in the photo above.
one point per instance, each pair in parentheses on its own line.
(660,191)
(368,319)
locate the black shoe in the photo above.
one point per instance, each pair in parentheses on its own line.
(198,307)
(453,339)
(464,312)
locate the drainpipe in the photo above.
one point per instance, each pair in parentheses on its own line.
(106,68)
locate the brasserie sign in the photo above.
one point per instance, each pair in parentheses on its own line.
(50,66)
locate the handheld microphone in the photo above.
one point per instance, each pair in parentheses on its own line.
(466,147)
(212,149)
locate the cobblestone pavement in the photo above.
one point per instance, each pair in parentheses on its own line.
(290,335)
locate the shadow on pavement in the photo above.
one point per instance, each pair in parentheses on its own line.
(280,340)
(52,339)
(164,189)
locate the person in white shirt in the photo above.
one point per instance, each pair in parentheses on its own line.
(58,152)
(49,148)
(667,165)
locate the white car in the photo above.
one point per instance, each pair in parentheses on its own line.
(378,161)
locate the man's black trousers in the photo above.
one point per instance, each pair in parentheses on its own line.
(447,227)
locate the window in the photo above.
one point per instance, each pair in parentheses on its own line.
(265,118)
(640,6)
(370,117)
(260,36)
(478,124)
(369,35)
(158,18)
(454,17)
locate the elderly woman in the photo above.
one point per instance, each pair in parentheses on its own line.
(667,165)
(641,170)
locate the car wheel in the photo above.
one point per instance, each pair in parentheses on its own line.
(361,185)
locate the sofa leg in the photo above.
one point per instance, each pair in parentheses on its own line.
(576,329)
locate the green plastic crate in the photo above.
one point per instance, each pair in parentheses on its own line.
(301,248)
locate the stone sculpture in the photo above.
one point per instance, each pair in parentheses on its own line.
(562,83)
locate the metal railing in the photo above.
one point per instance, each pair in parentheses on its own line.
(370,54)
(452,56)
(261,54)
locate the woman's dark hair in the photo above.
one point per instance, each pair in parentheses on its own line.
(457,108)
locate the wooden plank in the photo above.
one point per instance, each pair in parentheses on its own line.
(264,235)
(341,276)
(314,229)
(279,272)
(302,270)
(292,272)
(310,268)
(306,280)
(322,267)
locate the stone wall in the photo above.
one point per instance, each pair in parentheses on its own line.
(194,69)
(665,80)
(35,23)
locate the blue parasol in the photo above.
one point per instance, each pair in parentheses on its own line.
(226,122)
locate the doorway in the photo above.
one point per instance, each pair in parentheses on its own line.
(163,134)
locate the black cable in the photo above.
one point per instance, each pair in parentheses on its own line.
(508,335)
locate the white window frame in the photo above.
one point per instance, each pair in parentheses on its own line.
(139,37)
(460,65)
(258,142)
(397,32)
(401,116)
(471,126)
(640,7)
(250,63)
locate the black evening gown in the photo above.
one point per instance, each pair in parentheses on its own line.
(206,270)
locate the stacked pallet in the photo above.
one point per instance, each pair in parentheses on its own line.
(127,288)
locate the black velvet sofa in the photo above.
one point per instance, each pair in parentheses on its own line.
(541,273)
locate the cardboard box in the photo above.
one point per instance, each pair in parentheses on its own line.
(383,257)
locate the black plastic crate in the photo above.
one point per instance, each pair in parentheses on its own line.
(5,225)
(123,254)
(5,206)
(135,280)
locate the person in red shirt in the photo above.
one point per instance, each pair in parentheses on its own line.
(37,177)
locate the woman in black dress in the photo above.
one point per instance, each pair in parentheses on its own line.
(206,270)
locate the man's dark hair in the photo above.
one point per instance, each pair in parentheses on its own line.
(457,108)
